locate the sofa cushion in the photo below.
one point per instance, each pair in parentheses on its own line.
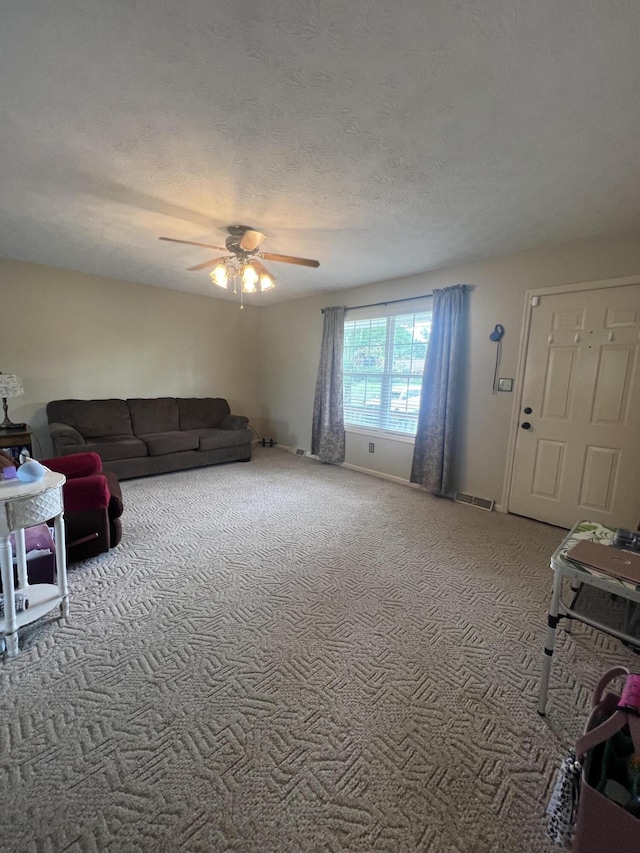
(152,415)
(92,418)
(75,464)
(234,422)
(202,412)
(117,447)
(86,493)
(213,439)
(160,443)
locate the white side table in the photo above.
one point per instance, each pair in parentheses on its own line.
(579,574)
(25,505)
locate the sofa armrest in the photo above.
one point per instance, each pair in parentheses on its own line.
(75,464)
(234,422)
(115,502)
(63,436)
(86,493)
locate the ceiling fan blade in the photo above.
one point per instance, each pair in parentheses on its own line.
(287,259)
(261,269)
(206,264)
(251,240)
(191,243)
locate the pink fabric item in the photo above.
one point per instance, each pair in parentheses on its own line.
(36,538)
(630,697)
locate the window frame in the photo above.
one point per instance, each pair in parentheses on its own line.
(385,377)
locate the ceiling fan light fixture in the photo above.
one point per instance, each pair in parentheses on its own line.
(249,279)
(219,276)
(241,266)
(266,282)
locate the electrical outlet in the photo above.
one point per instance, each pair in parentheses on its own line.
(372,447)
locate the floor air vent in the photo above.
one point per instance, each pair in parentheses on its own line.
(472,500)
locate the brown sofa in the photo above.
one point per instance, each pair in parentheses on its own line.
(142,436)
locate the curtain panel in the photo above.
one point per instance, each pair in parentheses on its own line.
(327,436)
(431,465)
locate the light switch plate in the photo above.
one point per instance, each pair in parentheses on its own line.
(505,384)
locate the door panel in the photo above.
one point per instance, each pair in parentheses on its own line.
(613,384)
(599,478)
(548,468)
(628,317)
(580,457)
(559,382)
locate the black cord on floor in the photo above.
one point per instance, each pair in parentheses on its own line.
(258,439)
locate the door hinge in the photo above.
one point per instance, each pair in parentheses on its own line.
(535,301)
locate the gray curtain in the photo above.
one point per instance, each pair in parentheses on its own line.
(327,436)
(431,466)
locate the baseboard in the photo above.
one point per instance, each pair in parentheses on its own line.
(297,451)
(285,448)
(381,476)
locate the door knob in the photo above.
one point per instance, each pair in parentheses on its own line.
(526,425)
(528,410)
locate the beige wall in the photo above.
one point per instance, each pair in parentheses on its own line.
(67,335)
(73,335)
(291,336)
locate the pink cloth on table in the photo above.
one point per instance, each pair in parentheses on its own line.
(36,538)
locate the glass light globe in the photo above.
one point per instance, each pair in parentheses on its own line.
(266,282)
(219,276)
(249,279)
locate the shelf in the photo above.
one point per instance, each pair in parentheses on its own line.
(25,505)
(43,598)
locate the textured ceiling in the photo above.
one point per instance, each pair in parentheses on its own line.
(382,139)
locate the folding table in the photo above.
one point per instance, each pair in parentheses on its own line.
(578,575)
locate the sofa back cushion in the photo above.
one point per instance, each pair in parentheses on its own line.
(92,418)
(202,412)
(154,414)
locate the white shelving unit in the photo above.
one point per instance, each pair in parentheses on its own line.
(25,505)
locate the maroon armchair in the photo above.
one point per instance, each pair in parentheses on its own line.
(92,504)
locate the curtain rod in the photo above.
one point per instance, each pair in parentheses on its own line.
(387,302)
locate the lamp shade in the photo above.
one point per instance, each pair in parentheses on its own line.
(246,273)
(219,275)
(11,385)
(249,279)
(266,282)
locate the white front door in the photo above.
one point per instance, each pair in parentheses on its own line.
(577,452)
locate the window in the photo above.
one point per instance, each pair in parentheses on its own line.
(383,362)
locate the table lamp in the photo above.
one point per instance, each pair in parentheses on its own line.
(10,386)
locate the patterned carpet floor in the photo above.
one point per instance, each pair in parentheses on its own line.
(286,656)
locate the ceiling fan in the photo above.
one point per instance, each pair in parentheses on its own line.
(242,263)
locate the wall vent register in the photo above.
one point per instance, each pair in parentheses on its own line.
(472,500)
